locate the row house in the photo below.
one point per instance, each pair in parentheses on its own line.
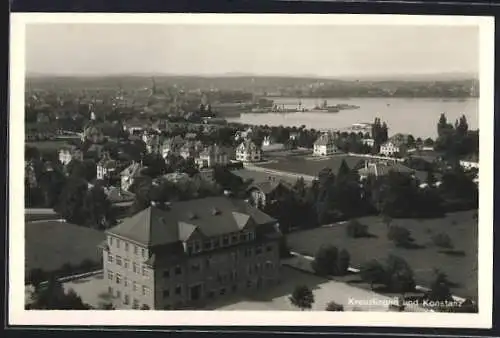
(396,145)
(248,151)
(189,254)
(107,167)
(212,156)
(67,154)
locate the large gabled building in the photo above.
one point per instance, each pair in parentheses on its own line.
(188,254)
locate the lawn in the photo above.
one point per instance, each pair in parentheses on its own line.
(311,165)
(49,245)
(460,227)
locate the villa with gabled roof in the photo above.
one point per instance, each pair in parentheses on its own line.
(188,254)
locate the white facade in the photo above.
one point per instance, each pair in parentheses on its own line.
(469,165)
(389,149)
(324,146)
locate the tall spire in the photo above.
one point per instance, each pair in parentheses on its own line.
(153,88)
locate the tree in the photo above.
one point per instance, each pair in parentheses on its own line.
(325,260)
(399,275)
(355,229)
(53,297)
(97,207)
(332,306)
(302,297)
(431,179)
(373,272)
(440,288)
(36,277)
(428,142)
(399,235)
(71,201)
(343,262)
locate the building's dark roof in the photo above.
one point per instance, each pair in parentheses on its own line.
(269,186)
(325,139)
(383,169)
(156,225)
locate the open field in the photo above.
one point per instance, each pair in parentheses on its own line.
(313,165)
(460,227)
(51,244)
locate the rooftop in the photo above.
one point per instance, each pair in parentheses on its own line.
(160,225)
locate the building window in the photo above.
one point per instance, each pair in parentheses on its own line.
(144,271)
(144,253)
(258,250)
(136,250)
(125,281)
(196,267)
(110,258)
(135,268)
(178,290)
(234,239)
(166,273)
(126,300)
(118,243)
(145,290)
(207,245)
(136,304)
(166,293)
(196,247)
(126,246)
(251,236)
(118,294)
(243,237)
(134,286)
(110,275)
(118,278)
(118,260)
(178,270)
(126,263)
(225,240)
(110,239)
(110,290)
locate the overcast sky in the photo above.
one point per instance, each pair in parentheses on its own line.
(67,49)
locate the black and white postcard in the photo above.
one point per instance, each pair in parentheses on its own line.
(256,169)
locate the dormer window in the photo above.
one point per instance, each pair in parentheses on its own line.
(225,240)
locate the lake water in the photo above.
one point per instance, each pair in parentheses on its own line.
(414,116)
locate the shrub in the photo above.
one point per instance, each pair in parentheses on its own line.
(355,229)
(442,240)
(302,297)
(399,235)
(325,260)
(372,272)
(332,306)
